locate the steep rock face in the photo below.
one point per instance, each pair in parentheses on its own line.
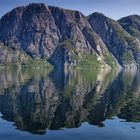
(122,45)
(64,37)
(131,24)
(75,29)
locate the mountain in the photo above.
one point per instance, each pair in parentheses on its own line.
(120,43)
(63,37)
(131,24)
(38,35)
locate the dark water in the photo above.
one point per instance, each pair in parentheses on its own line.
(75,105)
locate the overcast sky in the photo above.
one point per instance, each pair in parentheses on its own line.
(112,8)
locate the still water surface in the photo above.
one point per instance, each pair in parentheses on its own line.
(71,105)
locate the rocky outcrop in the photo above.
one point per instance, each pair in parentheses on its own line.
(124,47)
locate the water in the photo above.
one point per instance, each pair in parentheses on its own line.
(71,105)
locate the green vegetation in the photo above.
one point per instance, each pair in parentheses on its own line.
(89,61)
(40,63)
(110,60)
(67,44)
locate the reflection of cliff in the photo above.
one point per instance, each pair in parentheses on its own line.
(84,89)
(30,105)
(40,100)
(16,77)
(9,78)
(50,101)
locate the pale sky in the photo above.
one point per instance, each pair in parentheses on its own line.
(112,8)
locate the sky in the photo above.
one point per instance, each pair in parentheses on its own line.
(112,8)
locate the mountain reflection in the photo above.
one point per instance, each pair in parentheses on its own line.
(37,100)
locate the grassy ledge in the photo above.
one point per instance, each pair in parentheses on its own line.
(36,64)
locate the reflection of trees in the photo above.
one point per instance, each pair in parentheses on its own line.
(131,106)
(122,98)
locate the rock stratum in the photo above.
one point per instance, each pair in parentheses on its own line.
(65,38)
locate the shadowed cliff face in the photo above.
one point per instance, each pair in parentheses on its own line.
(45,101)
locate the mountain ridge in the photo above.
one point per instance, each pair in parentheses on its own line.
(63,37)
